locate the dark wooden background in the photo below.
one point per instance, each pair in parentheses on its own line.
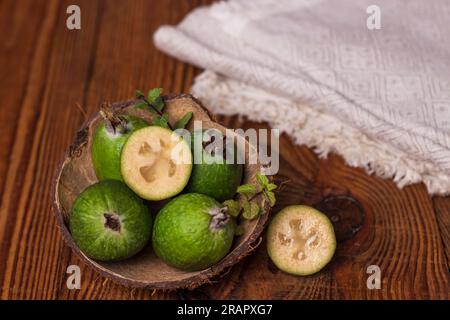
(47,70)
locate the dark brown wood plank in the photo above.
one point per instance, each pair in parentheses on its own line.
(16,53)
(16,60)
(25,61)
(46,125)
(442,209)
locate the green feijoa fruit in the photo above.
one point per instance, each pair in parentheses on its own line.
(156,163)
(211,174)
(192,232)
(109,138)
(301,240)
(109,222)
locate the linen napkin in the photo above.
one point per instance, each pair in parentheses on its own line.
(320,71)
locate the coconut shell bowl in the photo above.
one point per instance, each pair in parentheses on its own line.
(145,269)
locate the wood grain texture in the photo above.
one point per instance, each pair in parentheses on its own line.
(47,70)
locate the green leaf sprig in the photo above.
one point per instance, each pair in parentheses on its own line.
(250,209)
(155,103)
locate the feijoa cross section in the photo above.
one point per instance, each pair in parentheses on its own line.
(156,163)
(109,222)
(301,240)
(192,232)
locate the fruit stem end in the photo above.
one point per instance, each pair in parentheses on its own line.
(114,124)
(220,218)
(112,222)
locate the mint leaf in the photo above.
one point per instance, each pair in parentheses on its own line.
(154,94)
(182,123)
(151,110)
(246,209)
(262,180)
(251,210)
(159,103)
(154,97)
(271,186)
(270,197)
(162,121)
(247,190)
(141,105)
(139,94)
(233,207)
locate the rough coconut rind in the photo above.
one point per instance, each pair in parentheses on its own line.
(301,240)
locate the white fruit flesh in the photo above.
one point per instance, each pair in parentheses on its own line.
(156,163)
(301,240)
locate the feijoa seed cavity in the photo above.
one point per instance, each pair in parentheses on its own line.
(156,163)
(301,240)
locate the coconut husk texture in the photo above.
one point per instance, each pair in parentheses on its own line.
(76,172)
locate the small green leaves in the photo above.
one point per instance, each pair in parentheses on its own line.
(155,98)
(140,105)
(246,209)
(233,207)
(262,180)
(267,188)
(154,102)
(247,190)
(154,94)
(270,197)
(139,94)
(251,210)
(182,123)
(159,104)
(162,121)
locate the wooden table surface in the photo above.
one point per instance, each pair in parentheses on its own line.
(47,70)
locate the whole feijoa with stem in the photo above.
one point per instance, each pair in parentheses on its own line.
(109,138)
(156,163)
(109,222)
(192,232)
(212,174)
(301,240)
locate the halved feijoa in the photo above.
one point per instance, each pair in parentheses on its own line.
(109,222)
(301,240)
(156,163)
